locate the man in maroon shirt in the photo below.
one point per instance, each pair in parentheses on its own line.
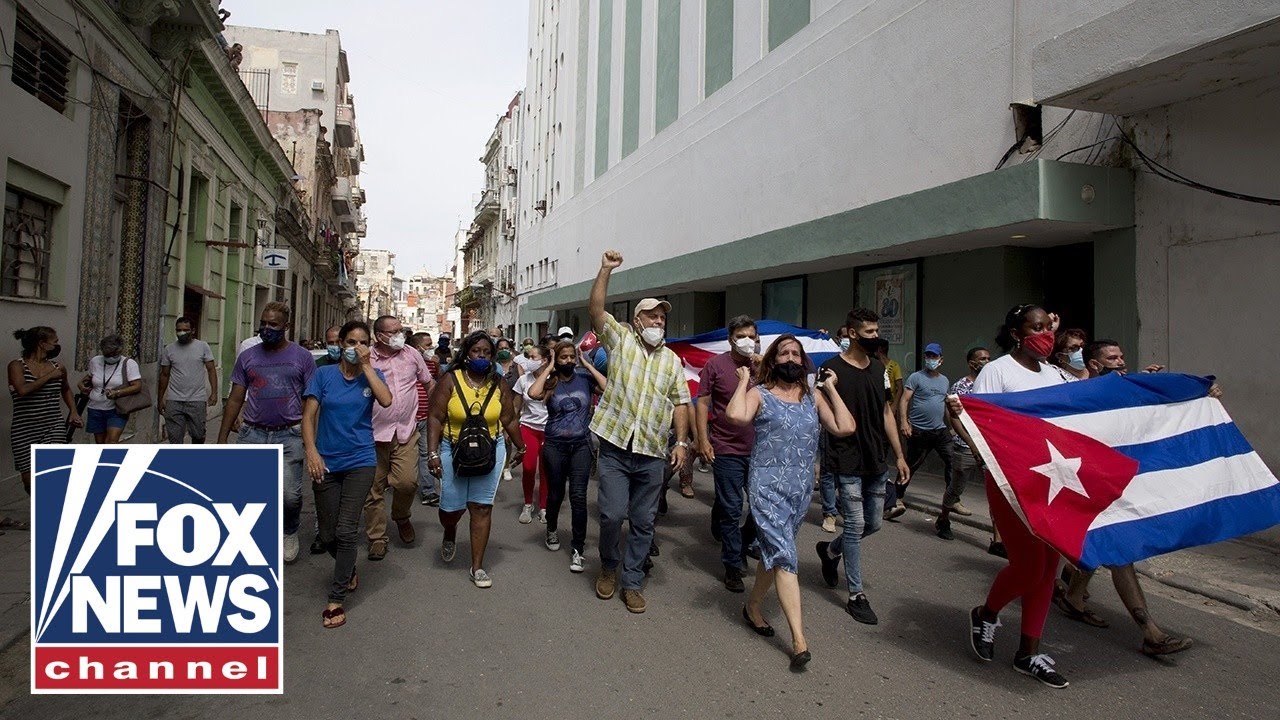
(725,445)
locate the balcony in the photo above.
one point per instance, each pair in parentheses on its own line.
(362,225)
(344,126)
(487,208)
(355,156)
(344,207)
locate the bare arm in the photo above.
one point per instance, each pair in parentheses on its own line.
(600,289)
(379,388)
(743,406)
(702,409)
(601,381)
(232,411)
(903,403)
(314,463)
(538,390)
(211,368)
(438,415)
(510,420)
(24,388)
(891,429)
(162,387)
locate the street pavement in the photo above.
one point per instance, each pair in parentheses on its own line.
(422,642)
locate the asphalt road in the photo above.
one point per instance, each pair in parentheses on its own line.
(422,642)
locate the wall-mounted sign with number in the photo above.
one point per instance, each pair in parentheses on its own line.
(274,259)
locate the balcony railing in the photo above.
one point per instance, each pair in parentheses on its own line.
(344,126)
(487,208)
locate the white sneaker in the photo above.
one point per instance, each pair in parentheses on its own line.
(577,564)
(481,578)
(829,524)
(291,547)
(506,474)
(553,540)
(526,515)
(542,516)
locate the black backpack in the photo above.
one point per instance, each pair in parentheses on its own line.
(475,451)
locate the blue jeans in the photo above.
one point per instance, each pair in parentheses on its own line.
(629,488)
(731,486)
(862,504)
(568,462)
(291,439)
(426,481)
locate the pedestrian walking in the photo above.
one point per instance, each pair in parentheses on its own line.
(111,375)
(923,412)
(267,383)
(332,347)
(181,391)
(38,386)
(471,409)
(566,387)
(966,463)
(726,445)
(395,435)
(533,423)
(647,391)
(857,463)
(337,432)
(787,419)
(1027,337)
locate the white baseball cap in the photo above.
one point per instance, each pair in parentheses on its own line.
(566,330)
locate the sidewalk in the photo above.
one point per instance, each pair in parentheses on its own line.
(15,567)
(1243,573)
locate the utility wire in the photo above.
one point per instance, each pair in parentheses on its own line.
(1173,176)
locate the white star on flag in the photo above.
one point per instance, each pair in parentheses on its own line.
(1063,473)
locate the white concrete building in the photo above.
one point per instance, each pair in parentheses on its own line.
(426,302)
(376,282)
(793,159)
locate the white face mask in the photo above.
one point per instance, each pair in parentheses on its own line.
(652,336)
(745,345)
(396,342)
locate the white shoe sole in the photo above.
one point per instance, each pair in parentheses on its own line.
(1030,674)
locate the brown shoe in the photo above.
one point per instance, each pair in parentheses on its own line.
(407,536)
(377,549)
(686,489)
(606,584)
(634,600)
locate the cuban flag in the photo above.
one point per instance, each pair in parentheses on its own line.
(696,350)
(1121,468)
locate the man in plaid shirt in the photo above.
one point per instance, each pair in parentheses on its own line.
(646,387)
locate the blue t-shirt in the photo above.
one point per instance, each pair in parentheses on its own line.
(569,407)
(344,432)
(600,359)
(928,404)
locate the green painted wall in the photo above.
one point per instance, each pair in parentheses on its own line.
(667,100)
(580,100)
(719,45)
(963,302)
(786,17)
(604,70)
(631,78)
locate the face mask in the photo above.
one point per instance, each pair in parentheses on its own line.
(112,360)
(335,351)
(869,345)
(565,369)
(1076,359)
(976,367)
(52,352)
(745,346)
(1108,370)
(788,372)
(932,364)
(479,366)
(1039,345)
(652,336)
(350,355)
(271,336)
(845,343)
(396,342)
(184,337)
(504,355)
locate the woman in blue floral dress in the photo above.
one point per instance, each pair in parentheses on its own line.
(786,415)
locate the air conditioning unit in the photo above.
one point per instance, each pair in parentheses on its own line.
(317,85)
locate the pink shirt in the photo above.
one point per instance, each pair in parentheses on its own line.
(403,371)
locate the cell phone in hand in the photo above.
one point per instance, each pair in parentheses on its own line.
(823,374)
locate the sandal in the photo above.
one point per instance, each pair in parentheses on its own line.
(1084,614)
(1168,646)
(334,618)
(354,584)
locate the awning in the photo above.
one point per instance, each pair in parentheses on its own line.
(204,291)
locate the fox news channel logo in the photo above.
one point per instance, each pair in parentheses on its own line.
(156,569)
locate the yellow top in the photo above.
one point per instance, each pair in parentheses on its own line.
(458,414)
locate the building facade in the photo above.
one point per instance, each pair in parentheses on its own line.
(939,162)
(376,283)
(427,300)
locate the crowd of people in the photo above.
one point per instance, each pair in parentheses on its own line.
(384,410)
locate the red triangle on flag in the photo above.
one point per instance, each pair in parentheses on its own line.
(1058,480)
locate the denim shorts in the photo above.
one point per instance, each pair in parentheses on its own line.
(99,420)
(456,491)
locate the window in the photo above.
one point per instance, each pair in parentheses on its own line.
(41,66)
(784,300)
(289,78)
(24,268)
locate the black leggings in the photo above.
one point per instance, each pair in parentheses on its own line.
(568,462)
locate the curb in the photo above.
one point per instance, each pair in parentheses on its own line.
(1169,578)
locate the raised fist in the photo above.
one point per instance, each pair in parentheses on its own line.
(612,259)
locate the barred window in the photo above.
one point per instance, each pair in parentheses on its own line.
(41,65)
(24,264)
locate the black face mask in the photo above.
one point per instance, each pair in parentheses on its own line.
(869,345)
(52,352)
(788,372)
(565,369)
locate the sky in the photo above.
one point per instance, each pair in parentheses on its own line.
(430,78)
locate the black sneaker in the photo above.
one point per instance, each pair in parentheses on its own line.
(830,566)
(982,635)
(944,531)
(753,551)
(431,500)
(733,579)
(646,567)
(317,547)
(861,610)
(653,549)
(1040,667)
(662,504)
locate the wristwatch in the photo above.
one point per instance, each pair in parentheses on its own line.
(683,444)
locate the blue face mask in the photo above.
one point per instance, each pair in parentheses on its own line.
(479,366)
(271,336)
(335,351)
(349,354)
(932,363)
(844,344)
(1076,359)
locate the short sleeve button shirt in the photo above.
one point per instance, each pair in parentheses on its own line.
(644,389)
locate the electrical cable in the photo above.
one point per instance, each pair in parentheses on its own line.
(1086,147)
(1160,170)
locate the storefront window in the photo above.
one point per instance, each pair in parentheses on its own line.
(784,301)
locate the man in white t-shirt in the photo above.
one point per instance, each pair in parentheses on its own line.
(182,395)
